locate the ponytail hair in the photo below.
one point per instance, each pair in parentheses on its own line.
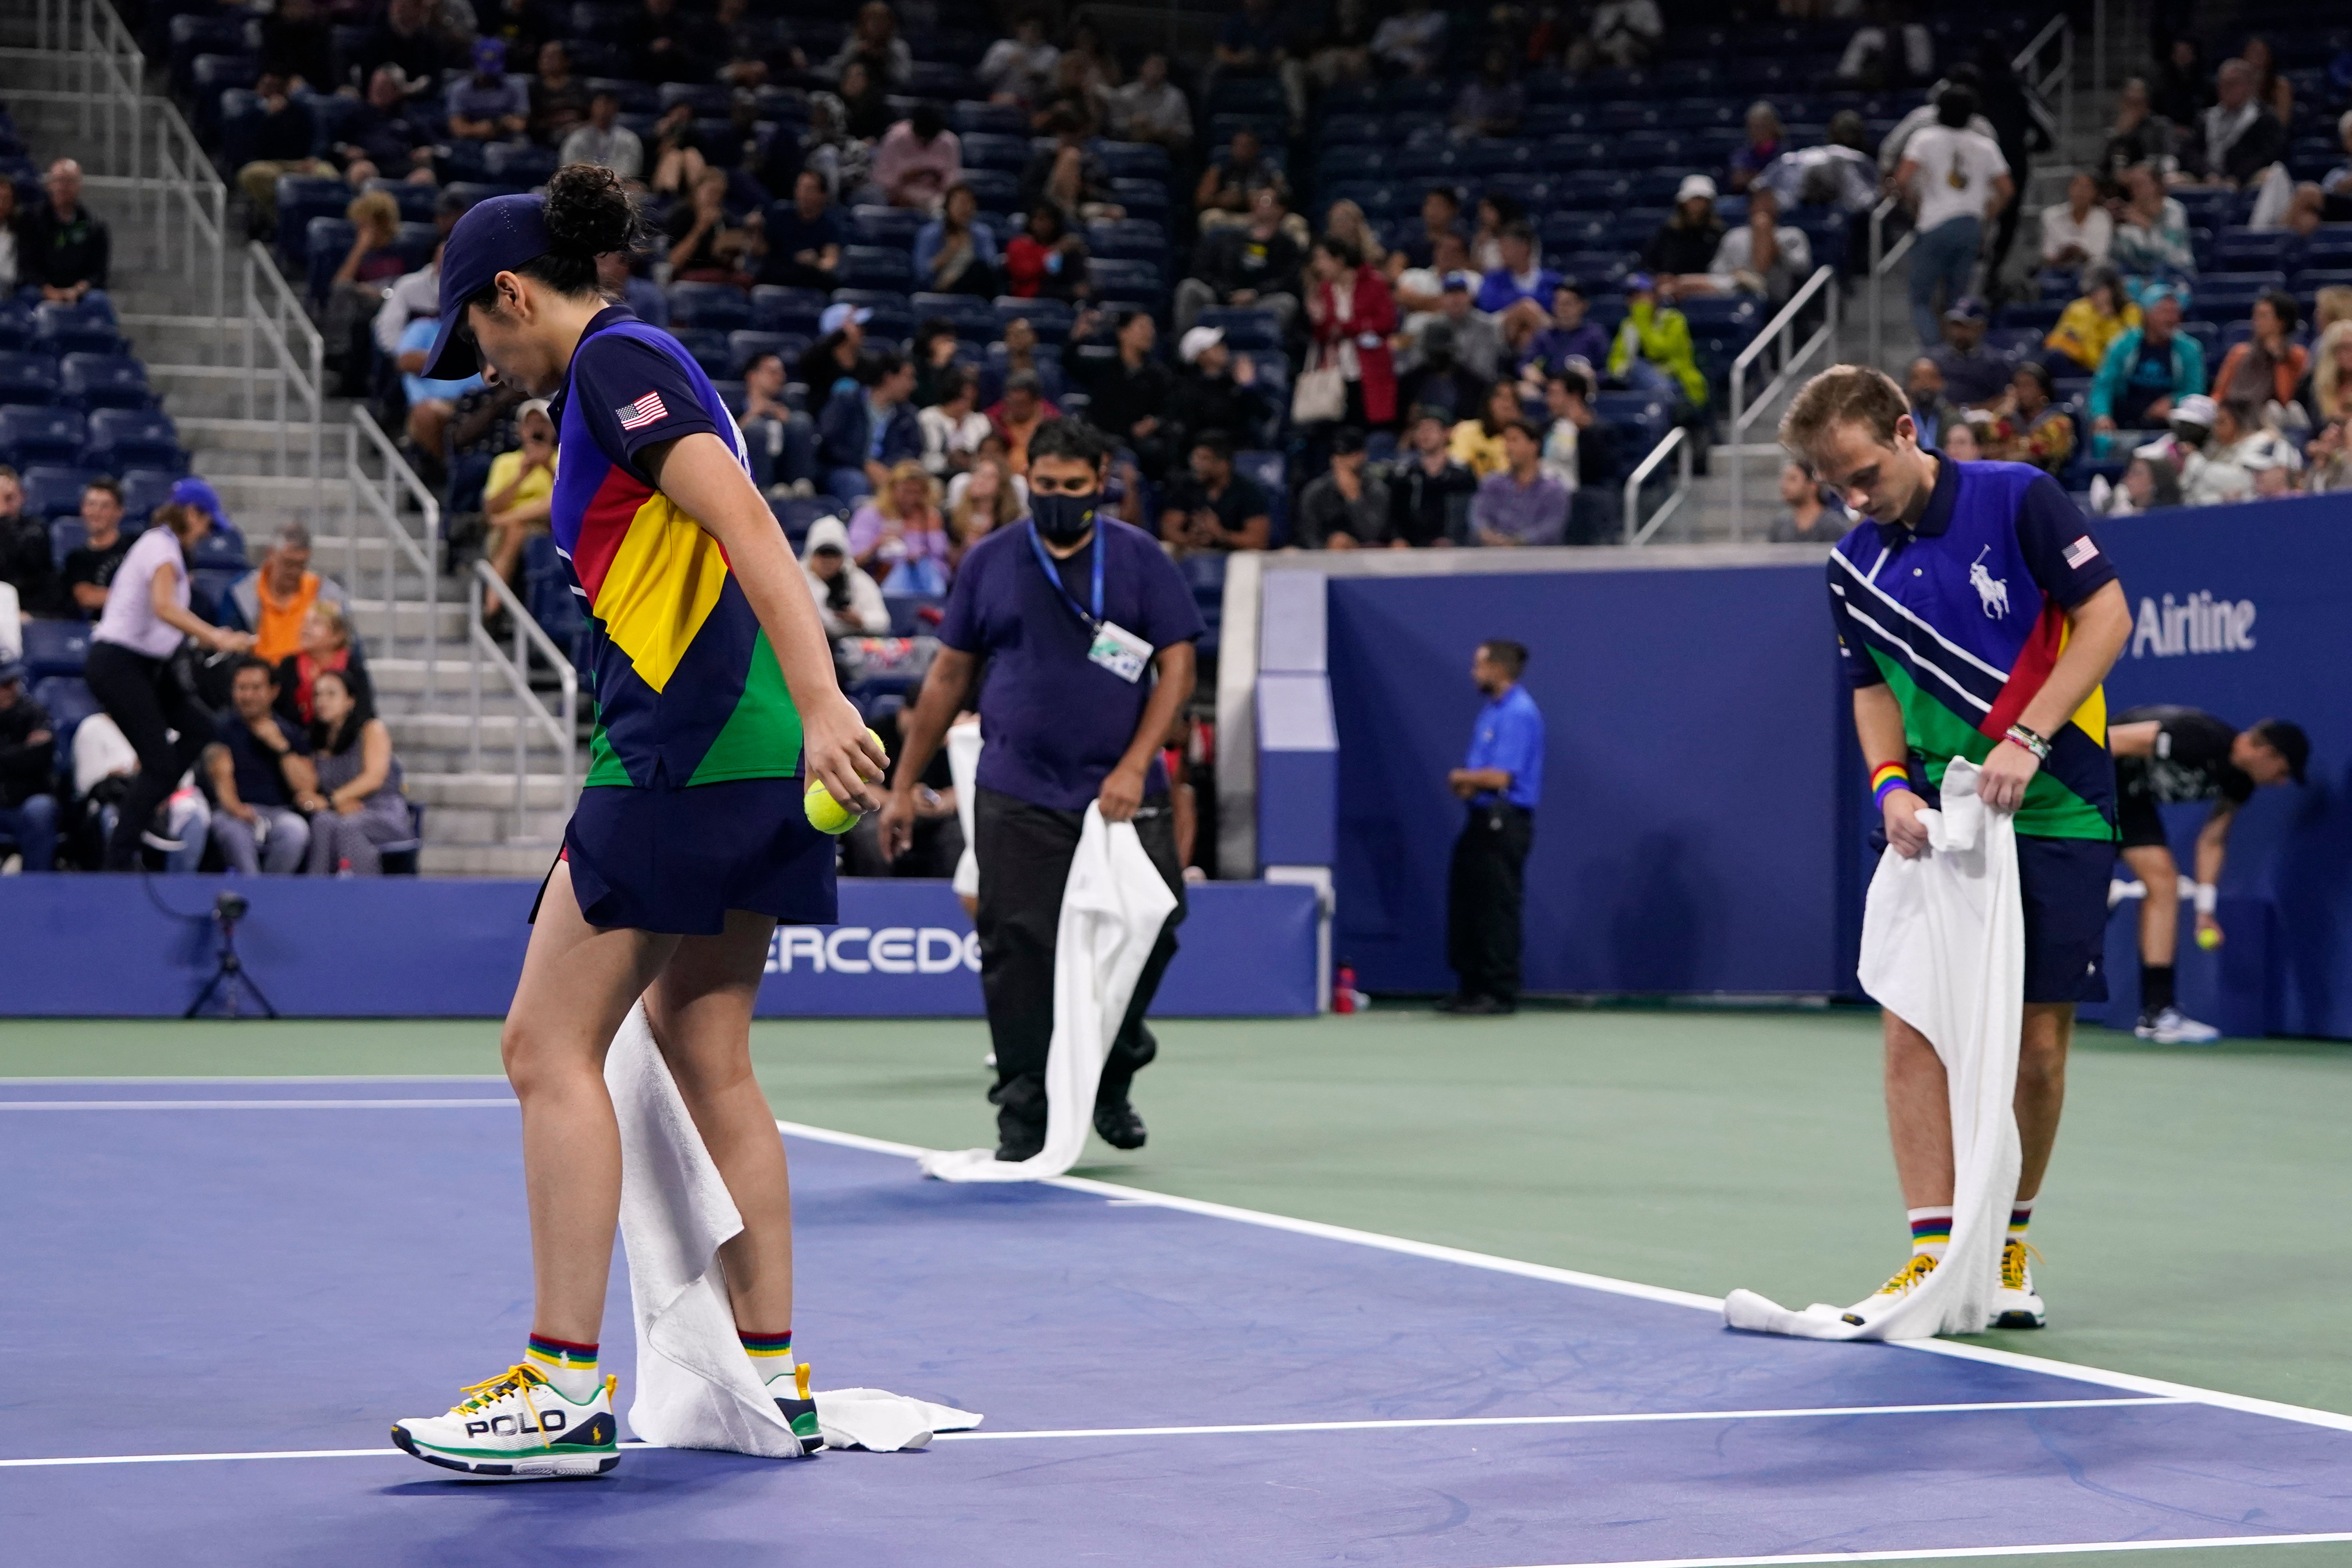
(589,213)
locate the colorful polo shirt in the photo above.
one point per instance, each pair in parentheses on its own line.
(687,690)
(1963,617)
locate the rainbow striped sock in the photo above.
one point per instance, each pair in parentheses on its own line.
(1931,1230)
(2021,1214)
(571,1368)
(771,1354)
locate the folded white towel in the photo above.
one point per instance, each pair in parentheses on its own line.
(1113,908)
(1943,948)
(695,1387)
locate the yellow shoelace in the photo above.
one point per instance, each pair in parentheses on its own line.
(2012,1263)
(1908,1278)
(490,1390)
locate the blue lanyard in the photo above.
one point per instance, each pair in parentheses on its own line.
(1054,576)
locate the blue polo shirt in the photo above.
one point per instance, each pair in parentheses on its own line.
(1963,617)
(1053,723)
(1509,735)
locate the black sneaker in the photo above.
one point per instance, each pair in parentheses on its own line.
(1477,1006)
(1018,1141)
(1120,1126)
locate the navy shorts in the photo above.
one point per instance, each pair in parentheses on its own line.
(675,860)
(2062,884)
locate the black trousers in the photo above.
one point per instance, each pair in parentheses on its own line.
(1025,861)
(146,699)
(1483,900)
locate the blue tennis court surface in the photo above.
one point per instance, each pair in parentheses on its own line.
(201,1270)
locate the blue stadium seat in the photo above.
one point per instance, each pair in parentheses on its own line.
(54,490)
(29,378)
(56,648)
(1133,280)
(16,326)
(301,198)
(997,190)
(63,330)
(743,345)
(720,305)
(1245,328)
(208,589)
(1355,129)
(973,317)
(518,162)
(132,438)
(41,435)
(970,118)
(780,309)
(988,150)
(1141,198)
(416,202)
(710,99)
(1575,150)
(144,490)
(1588,190)
(797,513)
(1130,240)
(890,227)
(214,552)
(1133,160)
(68,701)
(892,320)
(1051,317)
(709,346)
(2331,246)
(1268,469)
(875,267)
(326,242)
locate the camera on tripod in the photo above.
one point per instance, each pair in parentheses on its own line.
(228,974)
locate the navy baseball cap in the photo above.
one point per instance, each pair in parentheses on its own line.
(494,235)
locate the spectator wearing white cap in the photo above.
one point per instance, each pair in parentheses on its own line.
(1216,389)
(1685,244)
(848,601)
(519,494)
(1759,257)
(837,355)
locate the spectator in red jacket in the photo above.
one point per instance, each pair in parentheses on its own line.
(1350,315)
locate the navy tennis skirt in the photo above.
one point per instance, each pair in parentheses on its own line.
(675,860)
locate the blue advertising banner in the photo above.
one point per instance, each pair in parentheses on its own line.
(87,946)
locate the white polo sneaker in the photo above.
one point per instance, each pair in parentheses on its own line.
(517,1426)
(2174,1027)
(2014,1305)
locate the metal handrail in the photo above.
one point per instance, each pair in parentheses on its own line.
(274,315)
(389,499)
(562,729)
(1677,445)
(1779,330)
(1881,263)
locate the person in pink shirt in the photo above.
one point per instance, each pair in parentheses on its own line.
(918,159)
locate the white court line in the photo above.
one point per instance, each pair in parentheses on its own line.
(1936,1553)
(1143,1197)
(1273,1427)
(268,1077)
(253,1104)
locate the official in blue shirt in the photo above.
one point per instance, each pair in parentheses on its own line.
(1502,780)
(1085,629)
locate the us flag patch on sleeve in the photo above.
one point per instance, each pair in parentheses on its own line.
(648,409)
(2077,553)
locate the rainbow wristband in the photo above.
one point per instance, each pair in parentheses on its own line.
(1885,780)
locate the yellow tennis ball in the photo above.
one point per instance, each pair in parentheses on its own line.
(2209,938)
(825,813)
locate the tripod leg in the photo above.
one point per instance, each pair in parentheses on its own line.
(257,997)
(220,974)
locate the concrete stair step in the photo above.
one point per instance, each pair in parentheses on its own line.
(375,619)
(520,861)
(490,826)
(485,790)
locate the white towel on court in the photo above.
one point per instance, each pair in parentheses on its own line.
(695,1386)
(1943,948)
(1113,908)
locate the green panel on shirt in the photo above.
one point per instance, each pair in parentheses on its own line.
(761,739)
(1939,734)
(604,766)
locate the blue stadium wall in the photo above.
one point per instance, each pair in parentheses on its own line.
(406,947)
(1702,830)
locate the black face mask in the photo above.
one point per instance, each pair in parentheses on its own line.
(1064,518)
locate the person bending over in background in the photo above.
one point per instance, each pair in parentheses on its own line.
(259,765)
(2168,755)
(1087,631)
(1501,781)
(145,619)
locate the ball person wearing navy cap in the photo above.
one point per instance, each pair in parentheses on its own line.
(714,689)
